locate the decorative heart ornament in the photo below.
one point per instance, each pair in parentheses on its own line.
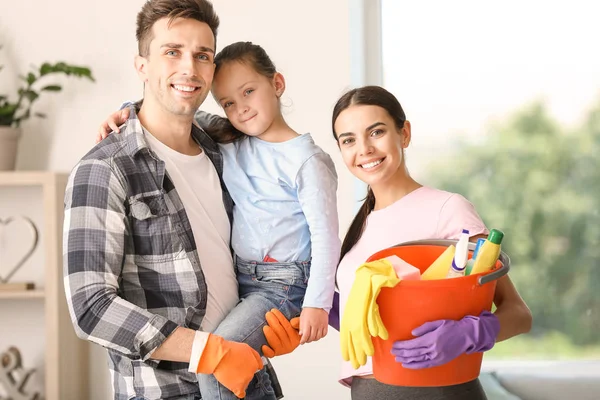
(9,223)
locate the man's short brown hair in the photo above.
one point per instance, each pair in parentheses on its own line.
(153,10)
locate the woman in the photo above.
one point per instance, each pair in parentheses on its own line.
(372,132)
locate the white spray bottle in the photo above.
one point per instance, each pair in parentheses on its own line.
(460,256)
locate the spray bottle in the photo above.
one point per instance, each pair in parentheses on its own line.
(460,256)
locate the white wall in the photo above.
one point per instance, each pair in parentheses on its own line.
(309,40)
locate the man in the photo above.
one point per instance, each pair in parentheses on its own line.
(148,267)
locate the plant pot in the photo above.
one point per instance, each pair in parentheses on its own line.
(9,141)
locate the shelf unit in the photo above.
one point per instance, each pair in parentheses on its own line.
(22,294)
(65,355)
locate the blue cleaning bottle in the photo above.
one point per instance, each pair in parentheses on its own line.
(471,262)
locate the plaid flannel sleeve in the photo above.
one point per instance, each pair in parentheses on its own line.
(95,246)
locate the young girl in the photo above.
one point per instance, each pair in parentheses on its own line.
(285,224)
(372,132)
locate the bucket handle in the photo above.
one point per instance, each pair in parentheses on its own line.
(482,280)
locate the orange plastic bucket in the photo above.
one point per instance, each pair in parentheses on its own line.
(412,303)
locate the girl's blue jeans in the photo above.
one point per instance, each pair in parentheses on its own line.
(262,286)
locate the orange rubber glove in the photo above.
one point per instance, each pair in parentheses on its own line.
(282,335)
(233,364)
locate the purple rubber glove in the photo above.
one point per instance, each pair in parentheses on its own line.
(334,313)
(439,342)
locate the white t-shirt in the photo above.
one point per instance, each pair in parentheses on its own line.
(199,188)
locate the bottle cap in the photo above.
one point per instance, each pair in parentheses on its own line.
(496,236)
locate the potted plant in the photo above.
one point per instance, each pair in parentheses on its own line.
(13,113)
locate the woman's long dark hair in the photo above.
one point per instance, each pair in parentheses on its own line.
(371,96)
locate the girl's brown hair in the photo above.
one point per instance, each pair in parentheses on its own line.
(247,53)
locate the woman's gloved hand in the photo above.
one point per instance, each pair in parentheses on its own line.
(439,342)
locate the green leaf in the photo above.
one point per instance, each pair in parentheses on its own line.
(82,72)
(64,68)
(45,69)
(31,78)
(8,110)
(29,94)
(52,88)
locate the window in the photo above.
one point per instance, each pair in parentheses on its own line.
(504,101)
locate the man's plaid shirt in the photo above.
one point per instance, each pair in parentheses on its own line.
(131,268)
